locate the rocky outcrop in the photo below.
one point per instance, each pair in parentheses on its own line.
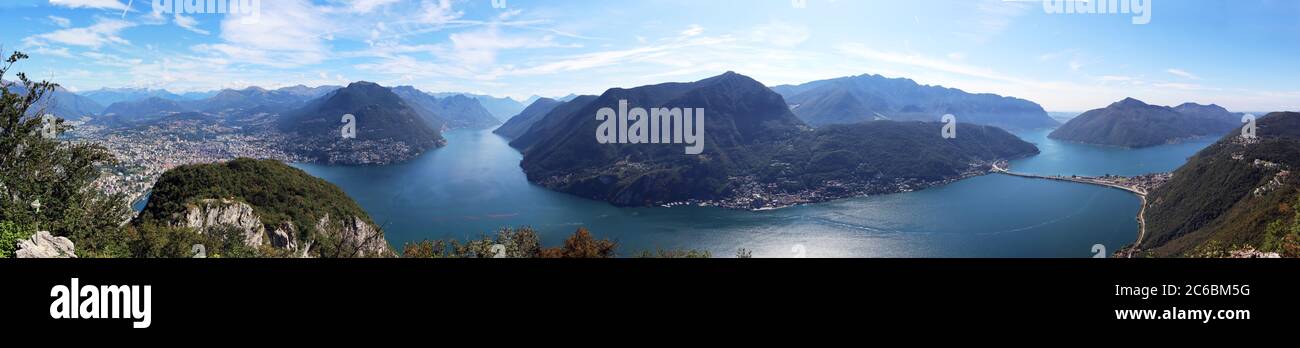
(357,238)
(43,245)
(210,213)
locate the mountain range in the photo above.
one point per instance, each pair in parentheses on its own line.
(1133,123)
(454,111)
(873,97)
(110,96)
(757,153)
(60,102)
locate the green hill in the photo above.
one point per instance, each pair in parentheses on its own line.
(1229,193)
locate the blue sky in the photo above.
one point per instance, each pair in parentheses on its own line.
(1242,54)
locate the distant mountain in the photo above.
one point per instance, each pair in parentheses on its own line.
(309,92)
(1063,117)
(149,108)
(252,100)
(1132,123)
(552,123)
(499,108)
(388,130)
(424,104)
(873,97)
(110,96)
(61,103)
(520,124)
(452,112)
(756,152)
(198,95)
(1234,195)
(272,204)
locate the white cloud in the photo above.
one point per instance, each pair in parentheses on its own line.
(103,4)
(780,34)
(481,47)
(60,21)
(365,6)
(289,33)
(1183,74)
(189,23)
(693,30)
(104,31)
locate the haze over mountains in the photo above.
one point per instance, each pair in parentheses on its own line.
(862,98)
(1133,123)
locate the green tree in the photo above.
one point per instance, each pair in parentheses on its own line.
(46,183)
(10,235)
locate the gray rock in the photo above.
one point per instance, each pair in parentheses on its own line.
(211,213)
(43,245)
(358,238)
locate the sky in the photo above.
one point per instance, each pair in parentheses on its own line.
(1242,54)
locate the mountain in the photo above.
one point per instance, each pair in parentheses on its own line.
(149,108)
(1231,195)
(499,108)
(873,97)
(452,112)
(198,95)
(60,102)
(270,203)
(253,100)
(520,124)
(756,153)
(1133,123)
(309,92)
(424,104)
(551,124)
(110,96)
(388,130)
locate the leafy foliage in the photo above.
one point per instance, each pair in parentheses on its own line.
(46,183)
(514,243)
(10,235)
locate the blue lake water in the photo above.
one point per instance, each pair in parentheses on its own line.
(475,186)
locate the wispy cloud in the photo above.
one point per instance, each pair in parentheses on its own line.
(1183,74)
(100,4)
(104,31)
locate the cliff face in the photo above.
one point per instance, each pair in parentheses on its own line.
(210,213)
(354,237)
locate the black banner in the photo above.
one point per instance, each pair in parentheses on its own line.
(207,295)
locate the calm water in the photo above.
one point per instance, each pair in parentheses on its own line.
(474,186)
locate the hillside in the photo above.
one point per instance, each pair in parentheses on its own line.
(1133,123)
(1229,193)
(272,203)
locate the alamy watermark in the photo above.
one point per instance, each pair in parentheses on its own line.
(654,126)
(1140,9)
(249,11)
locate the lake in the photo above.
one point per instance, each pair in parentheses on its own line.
(474,186)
